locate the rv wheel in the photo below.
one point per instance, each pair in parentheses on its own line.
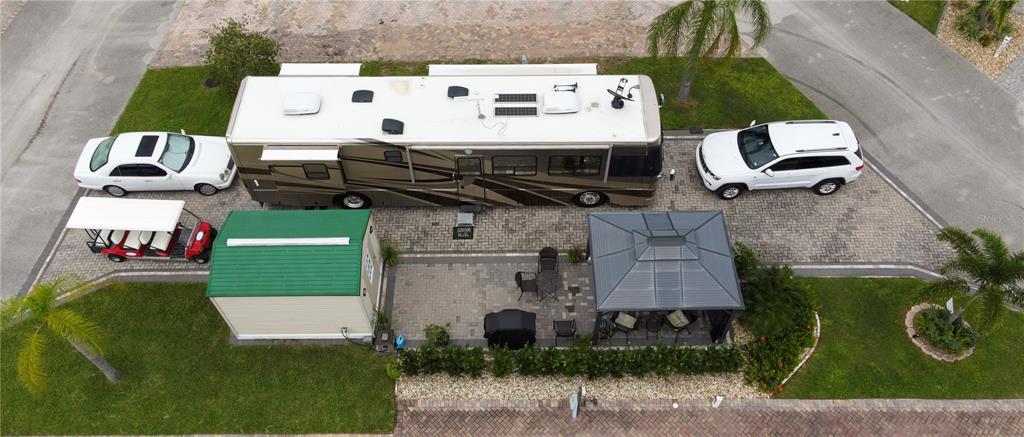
(354,201)
(590,199)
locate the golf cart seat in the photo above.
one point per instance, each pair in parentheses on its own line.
(115,237)
(161,241)
(137,239)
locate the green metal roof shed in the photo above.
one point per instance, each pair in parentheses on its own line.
(327,270)
(295,274)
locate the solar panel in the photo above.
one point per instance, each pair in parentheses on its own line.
(515,98)
(516,110)
(146,145)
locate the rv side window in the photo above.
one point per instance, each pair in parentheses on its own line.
(469,166)
(589,165)
(393,155)
(514,165)
(635,162)
(316,172)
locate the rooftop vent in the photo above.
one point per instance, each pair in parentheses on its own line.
(392,126)
(362,96)
(301,104)
(457,91)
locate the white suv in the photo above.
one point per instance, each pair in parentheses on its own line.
(822,155)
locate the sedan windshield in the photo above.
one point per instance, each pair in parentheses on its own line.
(756,146)
(178,152)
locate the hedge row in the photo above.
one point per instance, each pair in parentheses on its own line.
(579,360)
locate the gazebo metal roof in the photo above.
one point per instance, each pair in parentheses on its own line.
(662,261)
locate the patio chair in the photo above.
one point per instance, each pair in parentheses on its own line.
(548,259)
(625,322)
(526,285)
(677,321)
(564,329)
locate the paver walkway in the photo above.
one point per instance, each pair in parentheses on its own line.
(867,222)
(733,418)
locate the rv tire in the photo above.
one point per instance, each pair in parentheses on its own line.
(353,201)
(590,199)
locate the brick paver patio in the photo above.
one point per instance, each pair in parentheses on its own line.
(895,417)
(867,222)
(320,31)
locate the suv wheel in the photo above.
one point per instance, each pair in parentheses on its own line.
(731,191)
(826,187)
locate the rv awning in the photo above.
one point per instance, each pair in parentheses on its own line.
(320,69)
(126,214)
(286,153)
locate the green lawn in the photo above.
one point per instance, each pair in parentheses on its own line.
(926,12)
(723,95)
(181,376)
(864,351)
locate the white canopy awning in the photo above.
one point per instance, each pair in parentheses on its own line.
(511,69)
(288,153)
(126,214)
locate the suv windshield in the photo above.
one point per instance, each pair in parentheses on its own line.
(756,146)
(178,152)
(101,154)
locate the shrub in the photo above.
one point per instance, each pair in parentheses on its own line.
(382,320)
(986,21)
(746,260)
(575,255)
(394,369)
(503,362)
(933,324)
(236,52)
(437,335)
(389,252)
(776,299)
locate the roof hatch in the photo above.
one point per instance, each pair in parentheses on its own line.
(561,99)
(301,104)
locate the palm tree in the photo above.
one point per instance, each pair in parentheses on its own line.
(38,308)
(707,27)
(982,257)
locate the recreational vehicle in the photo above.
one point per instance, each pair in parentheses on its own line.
(485,134)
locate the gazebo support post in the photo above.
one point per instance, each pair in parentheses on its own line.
(597,328)
(728,326)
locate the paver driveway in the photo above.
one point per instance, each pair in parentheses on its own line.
(867,222)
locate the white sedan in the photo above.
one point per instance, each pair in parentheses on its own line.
(155,161)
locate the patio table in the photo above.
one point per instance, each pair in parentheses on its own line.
(548,282)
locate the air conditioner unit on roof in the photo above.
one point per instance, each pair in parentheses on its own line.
(561,102)
(301,103)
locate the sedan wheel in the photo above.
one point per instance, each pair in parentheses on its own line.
(115,190)
(206,189)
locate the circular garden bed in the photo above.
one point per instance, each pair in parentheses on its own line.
(919,339)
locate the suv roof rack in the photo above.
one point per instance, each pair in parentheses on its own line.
(811,122)
(825,149)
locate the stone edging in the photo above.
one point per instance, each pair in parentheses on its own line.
(803,405)
(806,355)
(928,349)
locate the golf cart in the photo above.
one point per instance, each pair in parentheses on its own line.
(141,228)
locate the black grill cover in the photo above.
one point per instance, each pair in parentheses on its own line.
(514,329)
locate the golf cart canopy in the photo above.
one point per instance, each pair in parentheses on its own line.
(126,214)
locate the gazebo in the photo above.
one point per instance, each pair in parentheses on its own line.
(665,261)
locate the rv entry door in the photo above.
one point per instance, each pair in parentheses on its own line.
(469,179)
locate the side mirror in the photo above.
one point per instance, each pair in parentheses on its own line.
(661,99)
(769,172)
(753,122)
(183,132)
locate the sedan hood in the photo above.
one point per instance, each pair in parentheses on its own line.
(722,154)
(211,156)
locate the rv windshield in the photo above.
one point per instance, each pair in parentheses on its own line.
(178,152)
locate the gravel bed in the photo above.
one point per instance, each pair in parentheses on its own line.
(982,57)
(514,387)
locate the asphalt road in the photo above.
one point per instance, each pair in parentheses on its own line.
(946,131)
(66,71)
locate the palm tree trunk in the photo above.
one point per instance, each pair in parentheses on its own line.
(112,374)
(684,88)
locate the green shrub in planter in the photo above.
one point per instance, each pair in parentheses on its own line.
(933,324)
(236,52)
(503,362)
(527,362)
(474,363)
(437,335)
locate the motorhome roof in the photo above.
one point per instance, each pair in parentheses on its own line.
(431,117)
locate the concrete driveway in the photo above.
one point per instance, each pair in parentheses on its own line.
(68,69)
(947,131)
